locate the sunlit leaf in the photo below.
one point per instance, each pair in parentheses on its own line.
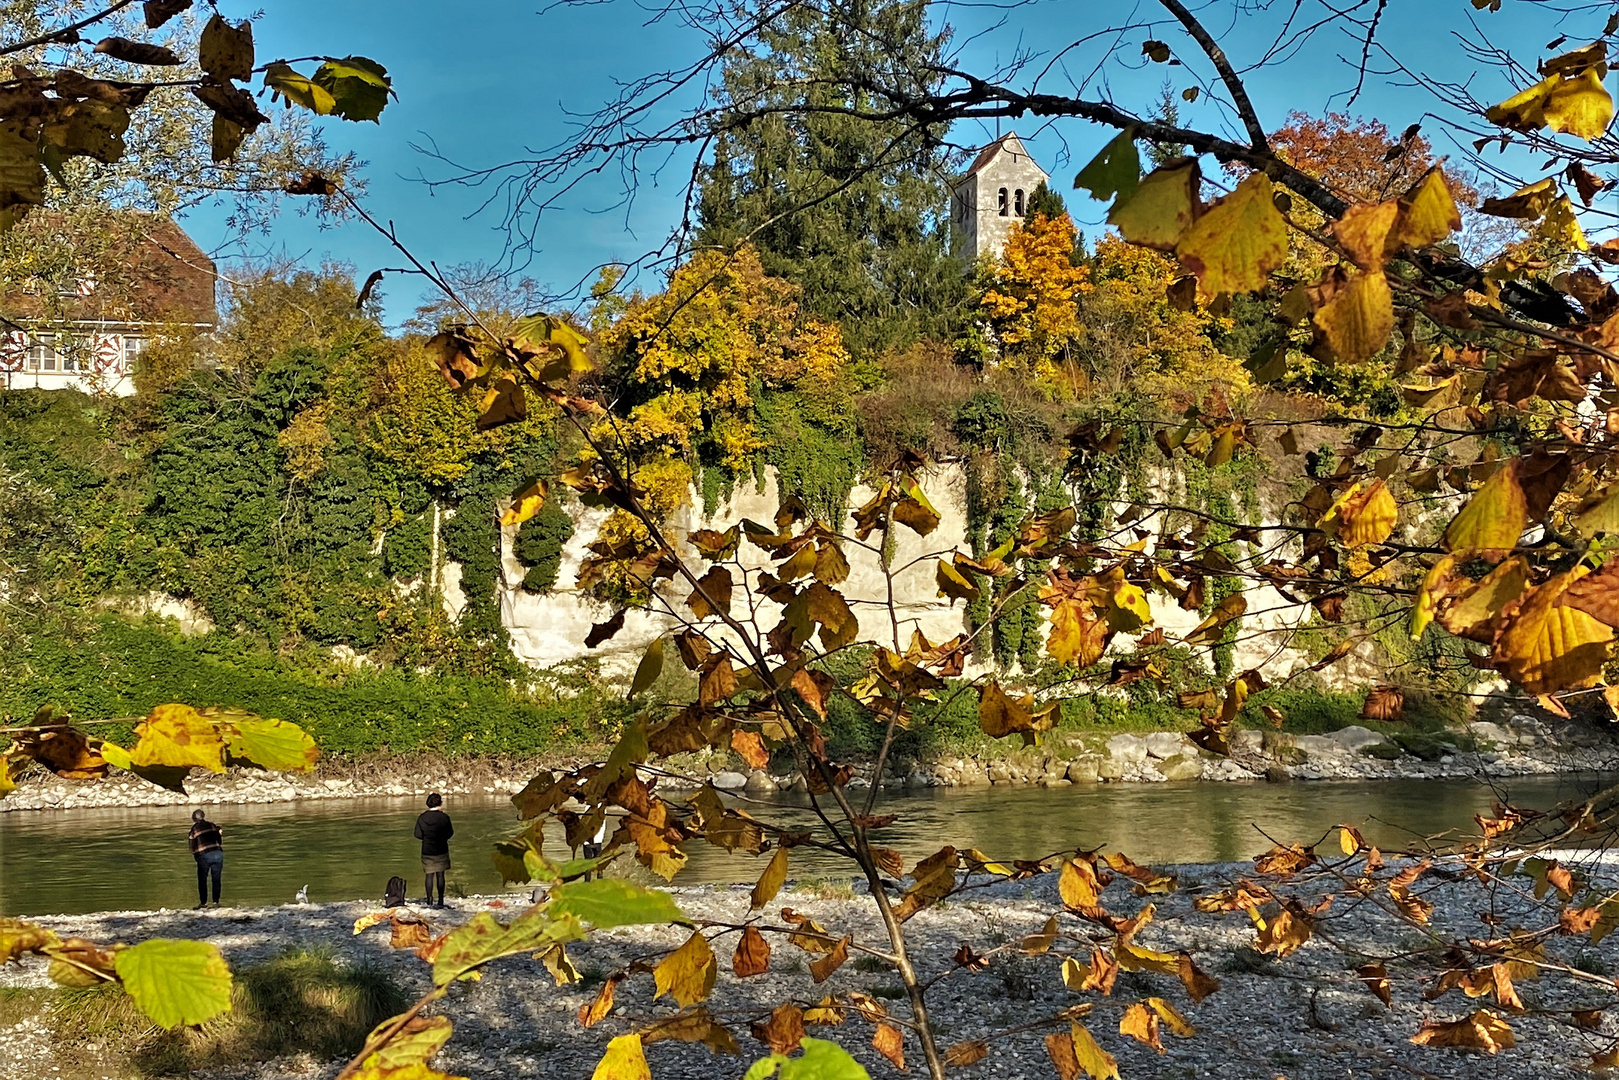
(176,982)
(624,1060)
(821,1060)
(1238,241)
(1162,207)
(688,973)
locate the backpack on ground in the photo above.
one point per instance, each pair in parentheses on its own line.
(395,893)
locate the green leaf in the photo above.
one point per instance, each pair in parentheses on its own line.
(821,1060)
(485,939)
(359,87)
(650,667)
(609,902)
(270,744)
(176,982)
(1115,171)
(298,89)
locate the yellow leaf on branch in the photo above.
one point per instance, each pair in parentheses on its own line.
(1238,241)
(1357,321)
(624,1060)
(688,973)
(1546,644)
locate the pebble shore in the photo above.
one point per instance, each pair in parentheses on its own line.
(1521,747)
(1305,1017)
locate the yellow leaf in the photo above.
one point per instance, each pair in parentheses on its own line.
(624,1060)
(1527,203)
(1075,974)
(1428,213)
(1363,517)
(7,784)
(526,503)
(1141,1024)
(954,584)
(1561,227)
(1546,645)
(1601,517)
(1078,886)
(1357,321)
(1474,613)
(770,881)
(1097,1063)
(178,736)
(1483,1030)
(687,974)
(1177,1024)
(1364,232)
(1235,245)
(1077,636)
(1161,208)
(1581,106)
(1493,519)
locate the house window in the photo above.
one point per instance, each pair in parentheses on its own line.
(41,357)
(1003,203)
(133,347)
(1019,208)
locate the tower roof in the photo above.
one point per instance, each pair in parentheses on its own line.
(1008,143)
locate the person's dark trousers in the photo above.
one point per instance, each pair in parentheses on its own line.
(209,864)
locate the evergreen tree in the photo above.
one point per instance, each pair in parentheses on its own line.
(1043,200)
(852,211)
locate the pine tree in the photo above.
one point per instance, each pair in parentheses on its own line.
(853,212)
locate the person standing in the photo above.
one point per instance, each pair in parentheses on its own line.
(434,830)
(208,846)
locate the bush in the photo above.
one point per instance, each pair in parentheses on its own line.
(121,668)
(301,1002)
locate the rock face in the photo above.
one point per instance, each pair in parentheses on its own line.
(1356,739)
(548,629)
(1127,749)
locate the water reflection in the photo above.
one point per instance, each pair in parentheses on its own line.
(94,860)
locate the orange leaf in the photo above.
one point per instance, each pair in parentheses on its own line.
(890,1043)
(1483,1030)
(750,745)
(785,1029)
(752,954)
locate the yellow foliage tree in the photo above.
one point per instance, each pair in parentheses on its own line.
(420,424)
(1133,338)
(1031,300)
(689,360)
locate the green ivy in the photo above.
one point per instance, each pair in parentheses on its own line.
(539,546)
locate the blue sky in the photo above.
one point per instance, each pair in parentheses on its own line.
(493,81)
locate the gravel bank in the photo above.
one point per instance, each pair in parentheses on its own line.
(1304,1018)
(1524,746)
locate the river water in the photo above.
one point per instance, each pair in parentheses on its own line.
(73,861)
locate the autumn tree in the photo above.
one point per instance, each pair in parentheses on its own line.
(1031,300)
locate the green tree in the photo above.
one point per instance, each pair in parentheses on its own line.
(853,213)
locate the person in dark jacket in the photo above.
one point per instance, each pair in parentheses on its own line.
(434,830)
(207,842)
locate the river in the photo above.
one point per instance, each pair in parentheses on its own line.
(73,861)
